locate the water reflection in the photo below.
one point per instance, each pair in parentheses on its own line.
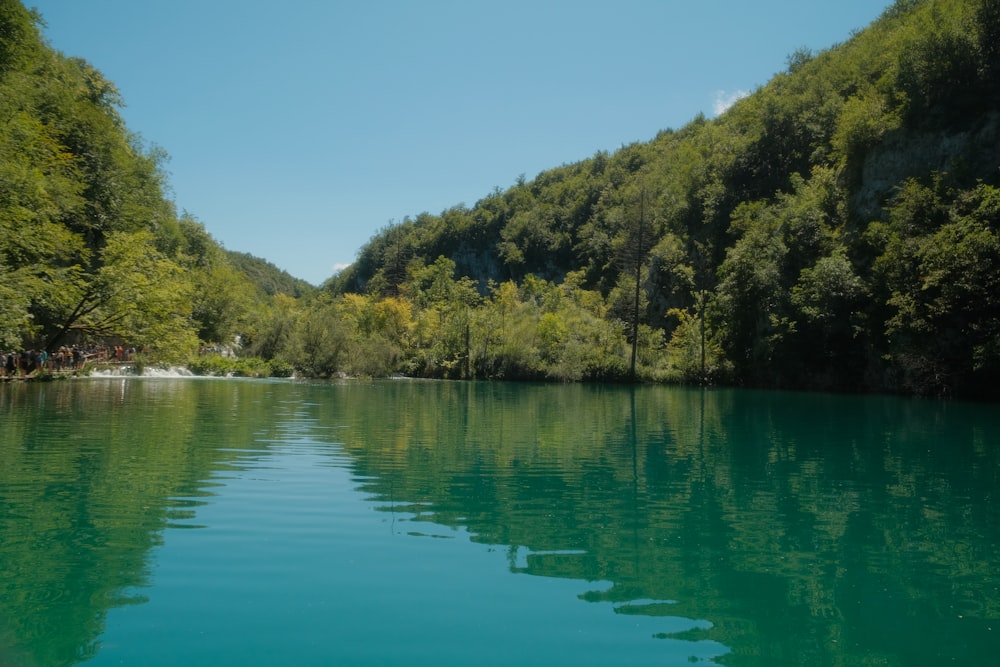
(741,527)
(91,474)
(807,529)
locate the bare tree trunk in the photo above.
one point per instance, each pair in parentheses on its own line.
(638,283)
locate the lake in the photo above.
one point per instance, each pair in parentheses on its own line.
(157,521)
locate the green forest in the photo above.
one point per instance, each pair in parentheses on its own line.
(835,230)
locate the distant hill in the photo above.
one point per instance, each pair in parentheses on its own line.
(267,277)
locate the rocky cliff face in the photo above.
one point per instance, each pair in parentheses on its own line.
(907,153)
(481,262)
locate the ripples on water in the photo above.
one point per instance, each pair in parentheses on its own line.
(169,522)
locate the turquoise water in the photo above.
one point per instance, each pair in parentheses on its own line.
(236,522)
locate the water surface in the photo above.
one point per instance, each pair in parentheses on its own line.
(236,522)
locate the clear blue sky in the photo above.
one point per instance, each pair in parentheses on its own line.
(297,130)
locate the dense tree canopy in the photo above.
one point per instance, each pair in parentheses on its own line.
(91,250)
(836,229)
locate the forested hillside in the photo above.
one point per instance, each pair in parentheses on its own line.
(836,229)
(267,277)
(92,252)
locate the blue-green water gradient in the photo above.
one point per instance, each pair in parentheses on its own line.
(235,522)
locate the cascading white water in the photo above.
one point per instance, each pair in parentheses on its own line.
(147,371)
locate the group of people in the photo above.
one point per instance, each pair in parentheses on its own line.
(66,358)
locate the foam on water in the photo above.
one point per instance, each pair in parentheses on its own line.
(146,372)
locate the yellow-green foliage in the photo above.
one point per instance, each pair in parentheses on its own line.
(835,229)
(756,230)
(91,250)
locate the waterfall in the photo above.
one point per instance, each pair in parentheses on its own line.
(145,371)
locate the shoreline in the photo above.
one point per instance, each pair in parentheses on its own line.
(52,375)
